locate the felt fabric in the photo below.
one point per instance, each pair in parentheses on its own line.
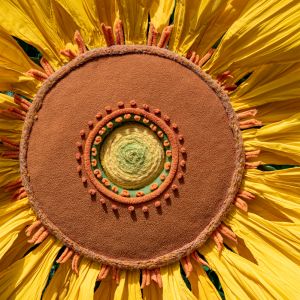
(214,159)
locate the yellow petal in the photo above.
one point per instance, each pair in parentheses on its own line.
(26,278)
(277,191)
(13,64)
(14,250)
(88,18)
(267,33)
(160,13)
(59,284)
(9,171)
(81,286)
(173,284)
(201,285)
(268,84)
(34,22)
(127,289)
(260,238)
(153,291)
(219,24)
(281,138)
(134,15)
(190,22)
(242,279)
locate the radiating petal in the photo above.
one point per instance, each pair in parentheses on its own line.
(269,32)
(281,138)
(134,15)
(160,13)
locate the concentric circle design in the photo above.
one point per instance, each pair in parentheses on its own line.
(197,145)
(131,156)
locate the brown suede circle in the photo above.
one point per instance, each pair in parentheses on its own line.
(209,143)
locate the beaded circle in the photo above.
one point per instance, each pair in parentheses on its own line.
(108,170)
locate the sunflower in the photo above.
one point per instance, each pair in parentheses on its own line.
(152,151)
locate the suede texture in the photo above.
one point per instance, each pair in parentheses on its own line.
(148,79)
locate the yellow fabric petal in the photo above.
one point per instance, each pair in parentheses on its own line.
(59,284)
(201,285)
(127,289)
(81,286)
(153,291)
(15,251)
(269,32)
(242,279)
(34,22)
(14,217)
(134,15)
(281,138)
(219,24)
(260,239)
(9,171)
(271,83)
(26,278)
(190,22)
(276,191)
(13,64)
(89,18)
(173,284)
(160,13)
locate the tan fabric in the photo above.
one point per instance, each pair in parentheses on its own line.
(63,202)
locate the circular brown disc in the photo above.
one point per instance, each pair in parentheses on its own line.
(150,90)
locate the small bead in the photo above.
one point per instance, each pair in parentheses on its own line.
(145,121)
(167,166)
(110,125)
(119,119)
(98,140)
(146,107)
(153,127)
(82,133)
(157,203)
(127,116)
(183,163)
(102,201)
(92,192)
(160,134)
(167,196)
(174,187)
(180,138)
(98,116)
(154,186)
(156,111)
(182,150)
(78,156)
(137,118)
(84,180)
(145,209)
(133,103)
(90,124)
(108,109)
(114,207)
(166,118)
(79,169)
(179,176)
(125,193)
(115,189)
(166,143)
(36,117)
(162,177)
(169,153)
(131,208)
(121,104)
(140,194)
(174,126)
(79,145)
(105,181)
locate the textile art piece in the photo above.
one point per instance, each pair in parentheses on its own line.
(149,160)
